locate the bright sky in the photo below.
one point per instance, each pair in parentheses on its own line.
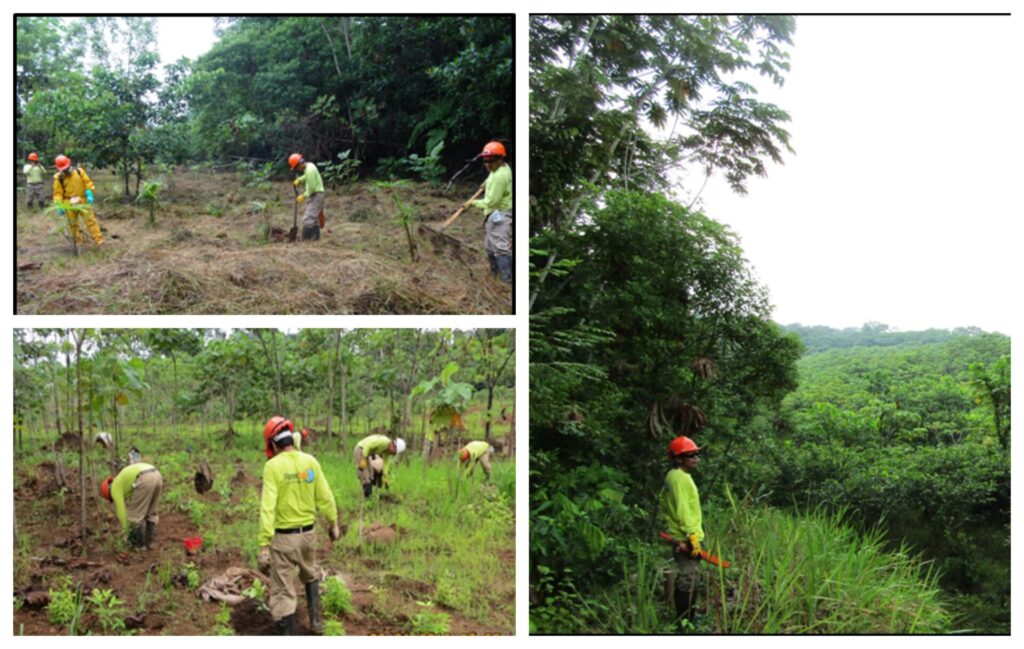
(178,37)
(901,204)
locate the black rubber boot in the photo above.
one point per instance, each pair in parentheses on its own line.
(505,268)
(150,534)
(492,261)
(686,605)
(367,489)
(286,625)
(313,604)
(137,536)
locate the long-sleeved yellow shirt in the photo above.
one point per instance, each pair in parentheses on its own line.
(294,490)
(497,191)
(680,505)
(121,489)
(376,444)
(476,449)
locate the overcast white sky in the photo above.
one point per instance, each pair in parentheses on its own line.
(178,37)
(901,204)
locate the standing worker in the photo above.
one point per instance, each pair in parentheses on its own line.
(313,196)
(473,453)
(370,456)
(680,505)
(294,490)
(497,207)
(34,175)
(72,184)
(135,493)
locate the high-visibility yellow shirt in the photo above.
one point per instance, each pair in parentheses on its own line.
(311,177)
(680,505)
(294,490)
(35,173)
(476,449)
(376,445)
(121,489)
(75,184)
(497,191)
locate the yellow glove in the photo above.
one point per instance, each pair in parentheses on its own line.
(363,464)
(300,198)
(694,546)
(298,181)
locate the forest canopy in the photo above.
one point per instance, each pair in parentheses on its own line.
(404,96)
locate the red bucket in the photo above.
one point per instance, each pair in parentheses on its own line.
(193,543)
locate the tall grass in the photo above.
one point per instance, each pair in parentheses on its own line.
(810,573)
(792,573)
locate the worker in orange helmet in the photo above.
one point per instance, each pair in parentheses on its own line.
(135,493)
(35,173)
(475,453)
(680,507)
(294,491)
(313,197)
(72,185)
(497,208)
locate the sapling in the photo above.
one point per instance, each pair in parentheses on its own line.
(68,213)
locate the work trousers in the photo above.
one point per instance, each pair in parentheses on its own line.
(290,553)
(143,504)
(687,573)
(91,225)
(314,205)
(34,192)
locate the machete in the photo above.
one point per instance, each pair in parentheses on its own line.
(704,554)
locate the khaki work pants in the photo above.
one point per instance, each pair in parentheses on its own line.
(363,470)
(145,499)
(34,192)
(288,553)
(687,574)
(314,205)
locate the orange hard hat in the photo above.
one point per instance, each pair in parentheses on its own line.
(105,488)
(272,432)
(681,445)
(62,162)
(34,157)
(493,150)
(464,456)
(305,433)
(294,159)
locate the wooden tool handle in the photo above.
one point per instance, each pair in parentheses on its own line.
(458,212)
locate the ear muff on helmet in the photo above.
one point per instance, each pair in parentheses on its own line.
(274,431)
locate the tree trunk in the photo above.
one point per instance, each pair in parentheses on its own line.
(490,404)
(330,381)
(343,380)
(81,436)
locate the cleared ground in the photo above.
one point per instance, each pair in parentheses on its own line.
(219,247)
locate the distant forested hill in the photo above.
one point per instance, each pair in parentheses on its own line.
(873,334)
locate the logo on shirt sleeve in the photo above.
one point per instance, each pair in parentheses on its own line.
(309,475)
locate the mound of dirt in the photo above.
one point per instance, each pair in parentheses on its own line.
(380,534)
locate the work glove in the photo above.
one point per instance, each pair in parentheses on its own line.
(89,197)
(297,182)
(335,532)
(263,560)
(694,546)
(60,212)
(300,198)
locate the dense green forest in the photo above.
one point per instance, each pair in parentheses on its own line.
(862,489)
(340,382)
(432,552)
(193,190)
(388,90)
